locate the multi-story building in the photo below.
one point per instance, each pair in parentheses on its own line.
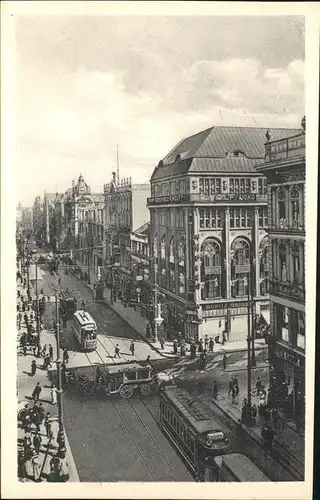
(49,219)
(125,209)
(140,262)
(26,218)
(208,231)
(285,168)
(84,226)
(37,215)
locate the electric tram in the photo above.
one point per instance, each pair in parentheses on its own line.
(85,329)
(68,304)
(193,431)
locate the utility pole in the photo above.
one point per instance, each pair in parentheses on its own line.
(60,437)
(253,318)
(248,410)
(37,305)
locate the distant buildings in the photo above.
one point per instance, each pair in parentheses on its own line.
(208,231)
(125,210)
(285,169)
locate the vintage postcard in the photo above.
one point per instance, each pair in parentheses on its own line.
(158,249)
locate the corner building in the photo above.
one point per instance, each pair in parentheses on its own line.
(285,168)
(208,218)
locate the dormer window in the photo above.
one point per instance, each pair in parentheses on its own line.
(236,153)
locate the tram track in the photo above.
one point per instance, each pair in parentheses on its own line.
(134,441)
(130,404)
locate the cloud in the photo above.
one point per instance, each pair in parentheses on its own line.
(71,121)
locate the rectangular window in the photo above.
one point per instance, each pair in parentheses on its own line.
(231,185)
(201,218)
(231,217)
(218,217)
(207,218)
(212,186)
(201,185)
(218,186)
(237,217)
(206,186)
(237,186)
(242,186)
(243,216)
(247,186)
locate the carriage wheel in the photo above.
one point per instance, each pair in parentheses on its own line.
(87,389)
(145,390)
(126,391)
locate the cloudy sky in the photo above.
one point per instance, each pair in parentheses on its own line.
(86,84)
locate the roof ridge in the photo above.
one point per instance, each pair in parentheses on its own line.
(203,131)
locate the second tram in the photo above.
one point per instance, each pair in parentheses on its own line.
(193,432)
(85,329)
(68,304)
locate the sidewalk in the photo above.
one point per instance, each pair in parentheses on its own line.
(25,385)
(139,323)
(288,444)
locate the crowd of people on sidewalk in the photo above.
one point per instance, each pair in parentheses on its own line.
(38,442)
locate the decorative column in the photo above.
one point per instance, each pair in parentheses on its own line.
(227,284)
(255,247)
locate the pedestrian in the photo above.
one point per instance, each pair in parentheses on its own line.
(211,344)
(230,386)
(24,348)
(162,343)
(148,331)
(148,360)
(117,351)
(65,356)
(53,394)
(47,424)
(50,352)
(37,440)
(38,351)
(83,305)
(33,368)
(214,390)
(175,346)
(234,395)
(179,340)
(40,415)
(206,342)
(44,350)
(36,392)
(47,362)
(132,348)
(200,346)
(258,385)
(183,348)
(27,445)
(224,361)
(36,467)
(34,349)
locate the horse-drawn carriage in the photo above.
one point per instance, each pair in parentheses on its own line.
(123,379)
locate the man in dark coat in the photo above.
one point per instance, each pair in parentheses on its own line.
(36,392)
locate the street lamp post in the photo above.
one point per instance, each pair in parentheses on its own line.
(60,438)
(248,411)
(37,306)
(157,307)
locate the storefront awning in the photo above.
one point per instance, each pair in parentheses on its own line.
(266,316)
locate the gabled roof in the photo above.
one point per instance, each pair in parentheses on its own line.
(211,151)
(144,229)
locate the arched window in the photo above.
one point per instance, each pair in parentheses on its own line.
(211,253)
(264,266)
(296,264)
(155,246)
(283,265)
(211,269)
(163,248)
(182,282)
(181,253)
(282,207)
(295,206)
(240,267)
(171,250)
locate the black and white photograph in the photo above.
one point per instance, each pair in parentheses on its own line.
(160,217)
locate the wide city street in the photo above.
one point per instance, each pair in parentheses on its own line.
(112,329)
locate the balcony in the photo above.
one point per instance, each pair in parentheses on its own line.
(283,225)
(204,198)
(287,289)
(285,149)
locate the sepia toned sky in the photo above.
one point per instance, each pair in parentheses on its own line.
(86,84)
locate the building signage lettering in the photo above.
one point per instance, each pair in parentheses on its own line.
(291,358)
(236,197)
